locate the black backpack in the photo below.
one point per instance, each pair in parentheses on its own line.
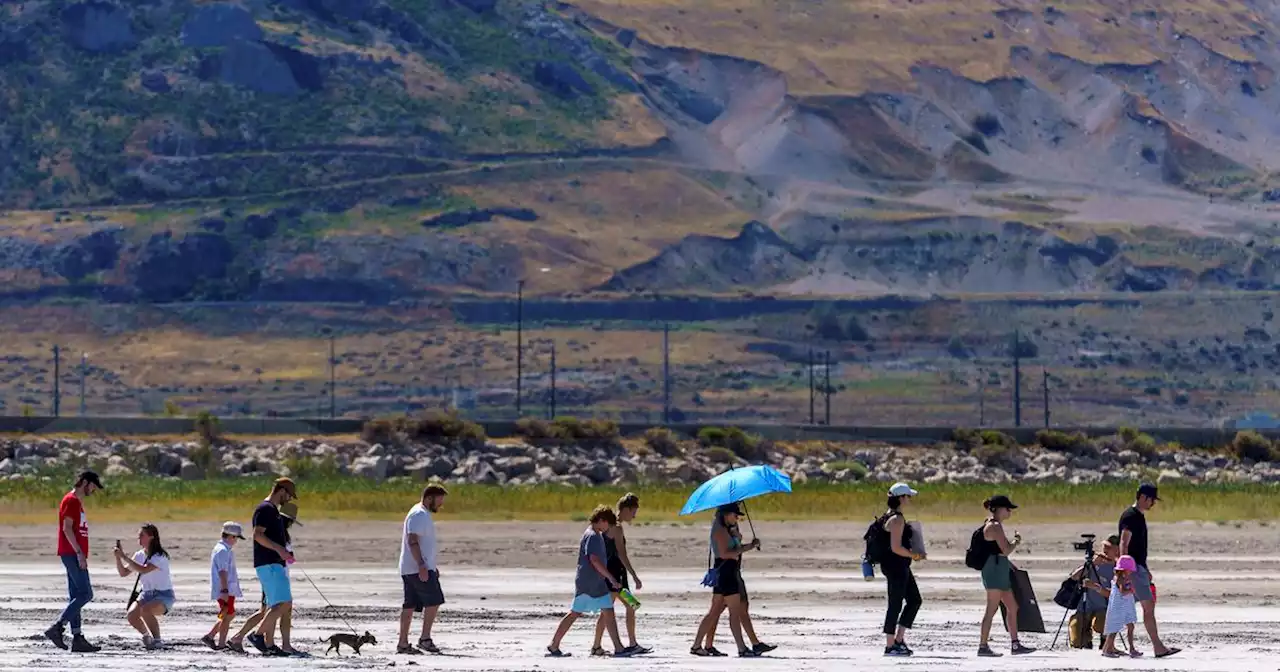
(979,550)
(877,538)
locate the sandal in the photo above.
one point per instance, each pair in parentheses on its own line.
(428,646)
(408,650)
(716,653)
(557,653)
(1168,652)
(599,652)
(698,651)
(748,653)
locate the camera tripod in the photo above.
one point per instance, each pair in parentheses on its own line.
(1089,573)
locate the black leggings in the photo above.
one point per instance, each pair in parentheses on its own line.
(904,598)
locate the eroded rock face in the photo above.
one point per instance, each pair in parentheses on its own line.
(167,270)
(219,24)
(99,26)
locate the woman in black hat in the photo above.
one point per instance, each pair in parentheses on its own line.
(727,590)
(997,576)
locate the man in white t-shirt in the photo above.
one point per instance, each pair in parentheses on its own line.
(418,570)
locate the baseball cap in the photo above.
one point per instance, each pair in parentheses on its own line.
(1149,490)
(902,490)
(290,510)
(731,508)
(90,477)
(233,528)
(1001,502)
(285,483)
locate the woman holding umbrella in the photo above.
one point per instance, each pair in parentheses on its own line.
(728,590)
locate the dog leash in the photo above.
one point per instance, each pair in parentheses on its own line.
(326,601)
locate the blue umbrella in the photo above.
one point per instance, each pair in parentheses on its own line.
(736,485)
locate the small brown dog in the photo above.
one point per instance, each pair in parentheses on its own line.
(353,641)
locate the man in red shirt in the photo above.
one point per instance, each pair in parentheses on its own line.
(73,549)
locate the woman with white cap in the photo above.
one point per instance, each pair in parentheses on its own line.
(904,595)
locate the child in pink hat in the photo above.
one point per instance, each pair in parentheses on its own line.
(1121,611)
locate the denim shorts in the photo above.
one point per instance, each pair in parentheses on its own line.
(164,597)
(585,604)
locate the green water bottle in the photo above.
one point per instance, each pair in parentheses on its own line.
(628,599)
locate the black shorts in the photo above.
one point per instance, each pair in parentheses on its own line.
(419,595)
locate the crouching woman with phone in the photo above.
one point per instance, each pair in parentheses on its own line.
(151,563)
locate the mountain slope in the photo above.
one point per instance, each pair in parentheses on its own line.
(368,149)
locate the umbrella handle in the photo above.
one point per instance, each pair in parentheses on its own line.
(748,515)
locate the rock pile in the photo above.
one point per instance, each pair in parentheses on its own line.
(516,463)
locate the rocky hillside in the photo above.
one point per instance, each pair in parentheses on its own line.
(371,150)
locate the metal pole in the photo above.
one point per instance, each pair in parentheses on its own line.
(553,380)
(57,381)
(666,373)
(1017,381)
(827,385)
(1045,372)
(982,399)
(333,363)
(519,346)
(811,386)
(84,367)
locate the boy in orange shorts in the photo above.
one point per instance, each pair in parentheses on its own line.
(225,584)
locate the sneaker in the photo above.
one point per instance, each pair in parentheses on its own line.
(54,634)
(985,651)
(276,652)
(148,643)
(748,653)
(1018,649)
(81,645)
(904,647)
(1110,654)
(623,653)
(210,642)
(1134,653)
(715,653)
(638,650)
(428,646)
(258,642)
(233,645)
(897,651)
(761,647)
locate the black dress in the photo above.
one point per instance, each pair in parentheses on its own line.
(614,563)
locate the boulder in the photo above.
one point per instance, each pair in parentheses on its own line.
(116,469)
(190,471)
(219,24)
(478,6)
(8,466)
(483,473)
(374,467)
(155,81)
(168,464)
(515,466)
(254,66)
(599,472)
(626,37)
(99,26)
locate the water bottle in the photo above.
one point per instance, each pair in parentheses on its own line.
(868,570)
(628,598)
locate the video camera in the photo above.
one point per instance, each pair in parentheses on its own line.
(1085,546)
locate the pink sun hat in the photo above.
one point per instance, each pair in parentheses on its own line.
(1127,563)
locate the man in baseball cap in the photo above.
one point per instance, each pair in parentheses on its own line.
(73,550)
(1133,542)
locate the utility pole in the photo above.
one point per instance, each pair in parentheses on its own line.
(827,388)
(333,363)
(57,381)
(666,373)
(84,367)
(1045,372)
(811,386)
(982,399)
(519,346)
(1017,380)
(553,380)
